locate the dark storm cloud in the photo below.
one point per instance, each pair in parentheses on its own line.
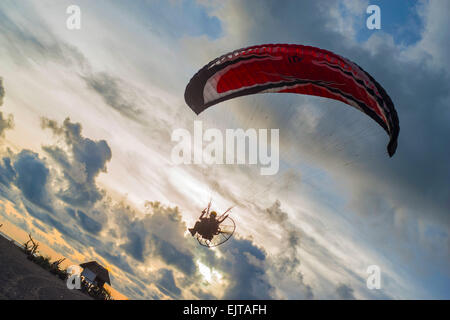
(62,249)
(51,218)
(38,191)
(44,228)
(202,295)
(160,233)
(80,195)
(93,154)
(72,213)
(81,167)
(114,94)
(166,283)
(80,191)
(245,266)
(119,259)
(173,256)
(7,173)
(32,178)
(345,292)
(88,223)
(135,245)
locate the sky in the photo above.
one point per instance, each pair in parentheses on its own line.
(86,119)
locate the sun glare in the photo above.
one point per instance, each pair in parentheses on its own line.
(209,274)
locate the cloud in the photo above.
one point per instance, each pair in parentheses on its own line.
(32,178)
(287,262)
(8,121)
(245,266)
(32,40)
(166,283)
(345,292)
(160,233)
(7,173)
(331,138)
(115,94)
(322,257)
(120,259)
(433,40)
(384,198)
(345,146)
(41,186)
(276,214)
(86,160)
(88,223)
(203,295)
(2,92)
(34,185)
(92,154)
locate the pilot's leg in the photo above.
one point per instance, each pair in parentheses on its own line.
(194,230)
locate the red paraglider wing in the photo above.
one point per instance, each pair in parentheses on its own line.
(295,69)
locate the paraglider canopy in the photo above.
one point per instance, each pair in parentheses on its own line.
(285,68)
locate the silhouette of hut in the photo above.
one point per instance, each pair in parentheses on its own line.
(95,274)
